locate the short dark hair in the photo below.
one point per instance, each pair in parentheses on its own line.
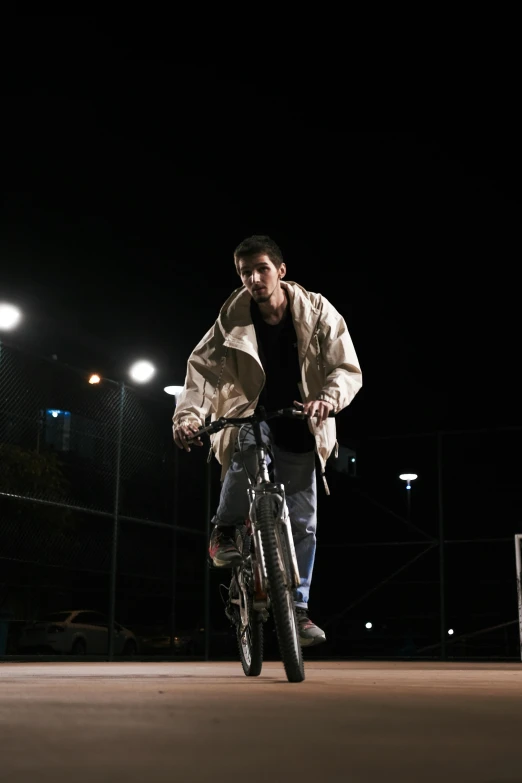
(258,243)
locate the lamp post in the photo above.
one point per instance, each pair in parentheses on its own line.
(141,372)
(408,478)
(174,391)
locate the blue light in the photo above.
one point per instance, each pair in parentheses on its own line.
(55,413)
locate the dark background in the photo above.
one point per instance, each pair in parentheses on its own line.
(128,178)
(129,174)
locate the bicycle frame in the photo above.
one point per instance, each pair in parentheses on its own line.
(264,486)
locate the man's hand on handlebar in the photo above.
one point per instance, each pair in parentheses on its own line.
(186,433)
(315,408)
(182,433)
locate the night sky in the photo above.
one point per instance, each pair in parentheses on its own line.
(128,177)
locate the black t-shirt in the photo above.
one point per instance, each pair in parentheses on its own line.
(279,356)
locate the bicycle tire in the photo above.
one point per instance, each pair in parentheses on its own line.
(249,639)
(280,589)
(250,642)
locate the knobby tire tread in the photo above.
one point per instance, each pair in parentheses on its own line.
(283,609)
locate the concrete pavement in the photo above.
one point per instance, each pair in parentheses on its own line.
(360,722)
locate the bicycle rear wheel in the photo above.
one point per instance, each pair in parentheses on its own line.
(280,588)
(249,634)
(250,642)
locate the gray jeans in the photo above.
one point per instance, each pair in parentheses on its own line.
(297,473)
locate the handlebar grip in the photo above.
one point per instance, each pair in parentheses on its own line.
(209,430)
(298,414)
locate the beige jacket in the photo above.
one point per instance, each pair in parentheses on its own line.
(225,375)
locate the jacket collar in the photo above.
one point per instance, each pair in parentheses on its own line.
(305,316)
(235,321)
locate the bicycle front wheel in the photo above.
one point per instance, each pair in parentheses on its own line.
(280,588)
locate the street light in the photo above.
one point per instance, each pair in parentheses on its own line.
(142,371)
(408,478)
(94,379)
(10,316)
(174,391)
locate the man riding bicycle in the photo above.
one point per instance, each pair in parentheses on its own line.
(273,345)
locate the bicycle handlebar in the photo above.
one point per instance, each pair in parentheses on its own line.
(223,421)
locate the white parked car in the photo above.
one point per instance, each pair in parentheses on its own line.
(79,632)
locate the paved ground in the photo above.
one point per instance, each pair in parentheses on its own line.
(350,722)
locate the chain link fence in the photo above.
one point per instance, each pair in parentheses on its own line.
(431,570)
(88,487)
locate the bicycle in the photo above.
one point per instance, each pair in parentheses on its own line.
(265,580)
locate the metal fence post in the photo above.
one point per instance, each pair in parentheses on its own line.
(115,531)
(175,520)
(442,583)
(518,561)
(208,493)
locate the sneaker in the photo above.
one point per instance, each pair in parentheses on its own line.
(309,633)
(222,548)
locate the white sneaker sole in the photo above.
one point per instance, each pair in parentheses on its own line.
(312,642)
(226,563)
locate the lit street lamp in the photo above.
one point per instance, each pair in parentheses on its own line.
(10,316)
(408,478)
(142,371)
(174,391)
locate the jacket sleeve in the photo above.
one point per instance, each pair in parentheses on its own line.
(343,377)
(201,381)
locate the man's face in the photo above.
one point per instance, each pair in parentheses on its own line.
(260,277)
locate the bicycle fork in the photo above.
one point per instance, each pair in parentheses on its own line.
(282,523)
